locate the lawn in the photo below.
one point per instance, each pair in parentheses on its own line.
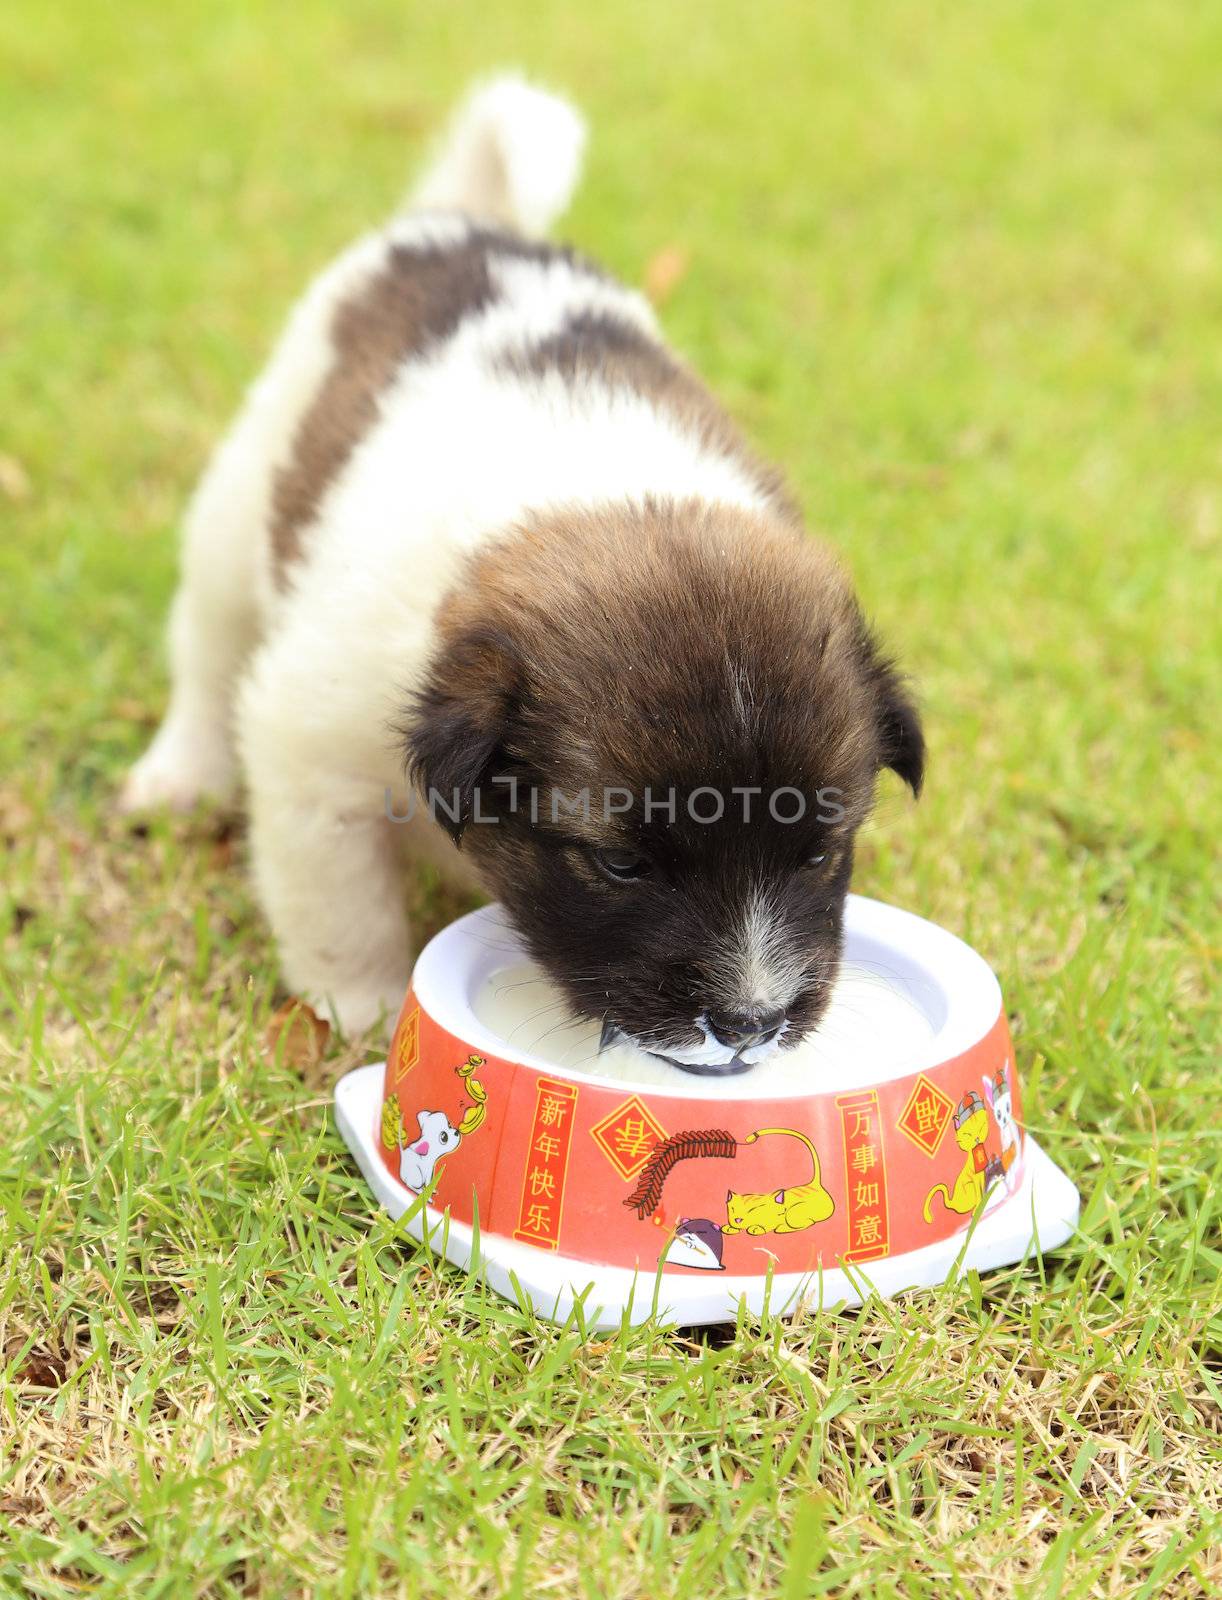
(960,269)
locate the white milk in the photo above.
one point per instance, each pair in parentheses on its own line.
(870,1028)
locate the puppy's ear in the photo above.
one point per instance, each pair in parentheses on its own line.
(458,721)
(901,738)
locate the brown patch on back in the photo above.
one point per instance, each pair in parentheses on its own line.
(417,299)
(414,302)
(618,353)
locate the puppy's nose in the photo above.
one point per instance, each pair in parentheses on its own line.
(739,1030)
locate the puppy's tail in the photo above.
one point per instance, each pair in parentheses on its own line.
(511,155)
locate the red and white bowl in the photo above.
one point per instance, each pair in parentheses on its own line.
(637,1200)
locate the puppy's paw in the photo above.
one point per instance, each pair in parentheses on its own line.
(364,1008)
(179,768)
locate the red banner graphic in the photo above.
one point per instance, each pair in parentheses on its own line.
(925,1116)
(865,1176)
(405,1048)
(547,1159)
(627,1135)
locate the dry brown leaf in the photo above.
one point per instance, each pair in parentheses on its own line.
(299,1036)
(225,843)
(43,1368)
(16,818)
(14,479)
(665,271)
(132,710)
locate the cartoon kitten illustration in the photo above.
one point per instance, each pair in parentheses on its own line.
(697,1243)
(789,1210)
(998,1093)
(971,1130)
(436,1135)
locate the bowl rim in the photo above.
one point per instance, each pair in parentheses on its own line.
(959,994)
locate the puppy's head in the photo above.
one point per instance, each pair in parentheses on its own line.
(656,730)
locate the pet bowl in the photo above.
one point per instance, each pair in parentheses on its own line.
(683,1199)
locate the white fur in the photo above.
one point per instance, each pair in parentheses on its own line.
(512,155)
(225,590)
(766,970)
(302,685)
(759,971)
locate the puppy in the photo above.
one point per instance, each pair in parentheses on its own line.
(478,529)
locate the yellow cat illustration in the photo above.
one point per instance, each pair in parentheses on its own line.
(783,1210)
(971,1130)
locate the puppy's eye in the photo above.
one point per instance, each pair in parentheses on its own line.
(621,865)
(816,861)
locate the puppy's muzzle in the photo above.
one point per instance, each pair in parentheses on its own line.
(719,1069)
(739,1030)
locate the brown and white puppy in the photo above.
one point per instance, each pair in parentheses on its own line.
(478,524)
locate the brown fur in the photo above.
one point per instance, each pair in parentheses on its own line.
(645,648)
(629,620)
(622,355)
(417,300)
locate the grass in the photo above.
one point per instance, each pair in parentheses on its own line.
(960,267)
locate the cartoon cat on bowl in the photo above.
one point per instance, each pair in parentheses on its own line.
(435,1135)
(1000,1096)
(787,1210)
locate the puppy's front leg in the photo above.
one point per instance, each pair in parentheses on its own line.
(328,876)
(327,869)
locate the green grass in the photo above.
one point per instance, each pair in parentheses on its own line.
(960,268)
